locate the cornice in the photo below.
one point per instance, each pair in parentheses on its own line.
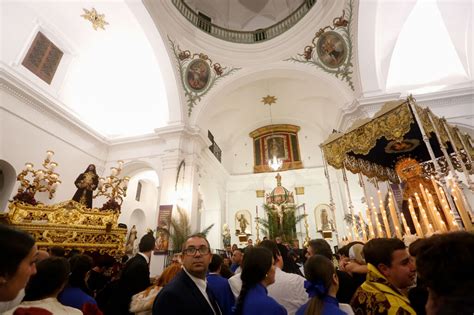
(14,84)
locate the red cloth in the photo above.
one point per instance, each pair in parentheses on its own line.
(91,309)
(31,311)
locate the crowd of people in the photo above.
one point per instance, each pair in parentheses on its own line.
(432,276)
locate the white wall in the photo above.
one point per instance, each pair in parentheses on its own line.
(27,132)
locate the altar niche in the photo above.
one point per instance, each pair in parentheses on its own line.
(280,141)
(281,213)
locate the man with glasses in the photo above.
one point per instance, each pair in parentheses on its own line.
(187,293)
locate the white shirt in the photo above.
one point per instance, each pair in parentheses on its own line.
(49,304)
(202,285)
(288,289)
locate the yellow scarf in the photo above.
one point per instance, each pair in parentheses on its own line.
(378,296)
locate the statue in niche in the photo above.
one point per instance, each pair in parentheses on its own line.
(226,235)
(325,222)
(243,223)
(86,183)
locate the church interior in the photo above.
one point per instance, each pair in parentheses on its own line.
(344,120)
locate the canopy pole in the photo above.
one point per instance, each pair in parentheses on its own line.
(464,146)
(351,206)
(332,205)
(366,196)
(458,154)
(411,103)
(442,145)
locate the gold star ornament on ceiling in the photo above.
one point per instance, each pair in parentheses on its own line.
(269,100)
(97,20)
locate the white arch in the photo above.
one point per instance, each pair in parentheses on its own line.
(7,182)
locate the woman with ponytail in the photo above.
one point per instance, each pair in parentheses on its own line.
(321,285)
(258,272)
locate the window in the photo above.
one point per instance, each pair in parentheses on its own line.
(43,58)
(139,191)
(214,147)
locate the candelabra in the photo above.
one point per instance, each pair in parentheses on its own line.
(113,187)
(41,180)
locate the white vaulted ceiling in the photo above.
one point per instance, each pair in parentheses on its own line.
(113,82)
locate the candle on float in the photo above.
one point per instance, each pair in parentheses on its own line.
(362,227)
(466,221)
(385,220)
(424,217)
(434,211)
(405,225)
(452,225)
(379,227)
(417,225)
(394,215)
(431,217)
(256,210)
(459,202)
(369,222)
(28,166)
(436,188)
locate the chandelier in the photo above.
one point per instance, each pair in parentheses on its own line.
(274,163)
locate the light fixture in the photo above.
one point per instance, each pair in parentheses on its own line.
(274,163)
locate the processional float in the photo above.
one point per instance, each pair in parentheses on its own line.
(423,160)
(70,224)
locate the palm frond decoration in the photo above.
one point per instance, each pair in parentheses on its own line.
(271,226)
(181,229)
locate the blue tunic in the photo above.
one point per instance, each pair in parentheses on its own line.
(331,307)
(220,288)
(257,302)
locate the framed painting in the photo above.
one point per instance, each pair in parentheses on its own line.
(331,48)
(197,75)
(280,141)
(162,230)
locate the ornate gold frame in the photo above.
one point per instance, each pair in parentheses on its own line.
(69,225)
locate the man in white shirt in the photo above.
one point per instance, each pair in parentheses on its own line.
(288,289)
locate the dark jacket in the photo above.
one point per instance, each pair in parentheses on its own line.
(135,278)
(181,296)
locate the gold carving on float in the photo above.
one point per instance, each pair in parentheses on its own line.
(70,225)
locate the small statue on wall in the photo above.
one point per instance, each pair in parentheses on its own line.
(86,183)
(131,241)
(226,235)
(242,221)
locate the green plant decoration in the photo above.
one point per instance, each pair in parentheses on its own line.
(271,226)
(181,229)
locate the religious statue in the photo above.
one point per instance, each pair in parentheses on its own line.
(326,226)
(86,183)
(131,241)
(226,235)
(243,222)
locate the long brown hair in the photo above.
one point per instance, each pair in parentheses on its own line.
(168,274)
(319,271)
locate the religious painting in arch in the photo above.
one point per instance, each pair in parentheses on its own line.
(332,50)
(198,74)
(243,222)
(280,141)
